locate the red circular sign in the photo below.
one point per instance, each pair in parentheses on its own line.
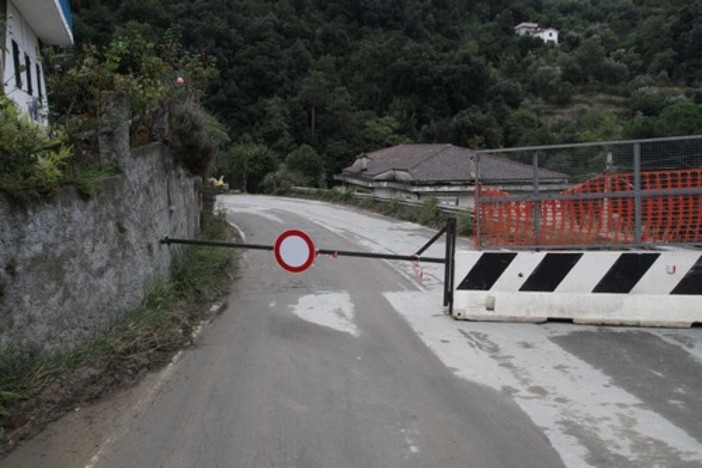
(294,251)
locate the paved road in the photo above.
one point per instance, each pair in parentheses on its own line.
(354,364)
(318,370)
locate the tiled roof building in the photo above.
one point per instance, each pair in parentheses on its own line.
(417,171)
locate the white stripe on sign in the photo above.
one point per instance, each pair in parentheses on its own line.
(665,273)
(518,271)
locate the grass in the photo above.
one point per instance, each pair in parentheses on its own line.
(85,177)
(23,189)
(144,338)
(428,214)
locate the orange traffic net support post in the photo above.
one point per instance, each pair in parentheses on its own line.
(597,212)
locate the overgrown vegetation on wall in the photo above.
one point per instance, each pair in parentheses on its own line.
(193,135)
(32,161)
(162,84)
(156,77)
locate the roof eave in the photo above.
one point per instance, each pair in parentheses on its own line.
(51,21)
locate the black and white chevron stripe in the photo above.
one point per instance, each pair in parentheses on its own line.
(672,273)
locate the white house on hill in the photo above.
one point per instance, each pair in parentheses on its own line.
(548,35)
(29,24)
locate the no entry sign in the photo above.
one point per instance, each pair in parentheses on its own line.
(294,251)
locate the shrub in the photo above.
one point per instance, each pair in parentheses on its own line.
(194,135)
(148,75)
(464,224)
(282,180)
(430,214)
(32,160)
(306,162)
(648,100)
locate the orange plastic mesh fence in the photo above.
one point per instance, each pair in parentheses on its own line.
(601,221)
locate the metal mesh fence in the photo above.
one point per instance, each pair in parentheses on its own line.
(638,193)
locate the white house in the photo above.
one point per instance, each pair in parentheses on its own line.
(548,35)
(29,24)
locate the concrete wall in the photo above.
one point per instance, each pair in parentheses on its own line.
(70,267)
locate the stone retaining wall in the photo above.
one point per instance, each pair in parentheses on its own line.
(70,267)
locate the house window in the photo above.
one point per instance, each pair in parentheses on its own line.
(16,63)
(28,67)
(39,93)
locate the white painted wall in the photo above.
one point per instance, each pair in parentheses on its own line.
(19,31)
(532,29)
(548,35)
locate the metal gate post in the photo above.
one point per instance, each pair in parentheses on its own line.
(638,228)
(537,202)
(478,240)
(449,267)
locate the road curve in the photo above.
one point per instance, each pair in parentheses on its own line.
(354,364)
(318,370)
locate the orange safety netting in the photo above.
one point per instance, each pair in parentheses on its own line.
(599,221)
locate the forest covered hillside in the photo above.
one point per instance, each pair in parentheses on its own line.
(305,85)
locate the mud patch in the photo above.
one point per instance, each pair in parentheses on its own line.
(122,366)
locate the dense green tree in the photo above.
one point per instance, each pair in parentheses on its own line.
(642,126)
(521,128)
(590,55)
(380,132)
(682,118)
(308,164)
(649,100)
(245,165)
(274,127)
(348,76)
(596,125)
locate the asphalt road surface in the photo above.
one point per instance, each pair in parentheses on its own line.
(354,364)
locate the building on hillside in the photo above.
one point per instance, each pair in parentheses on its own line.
(548,35)
(28,25)
(416,172)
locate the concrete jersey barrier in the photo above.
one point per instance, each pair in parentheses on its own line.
(625,288)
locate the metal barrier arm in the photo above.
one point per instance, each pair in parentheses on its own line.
(341,253)
(433,239)
(168,241)
(448,260)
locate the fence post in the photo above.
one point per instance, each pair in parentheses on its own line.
(449,271)
(537,203)
(638,228)
(478,243)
